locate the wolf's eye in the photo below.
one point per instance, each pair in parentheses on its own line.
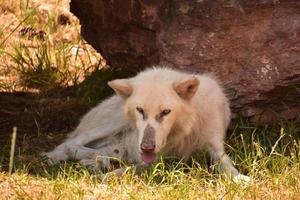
(165,112)
(140,110)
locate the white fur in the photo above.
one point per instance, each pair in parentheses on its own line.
(199,122)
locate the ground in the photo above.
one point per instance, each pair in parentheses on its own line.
(49,77)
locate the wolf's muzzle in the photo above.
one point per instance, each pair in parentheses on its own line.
(148,141)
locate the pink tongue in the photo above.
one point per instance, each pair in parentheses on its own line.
(148,157)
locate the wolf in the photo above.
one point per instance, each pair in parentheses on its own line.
(159,112)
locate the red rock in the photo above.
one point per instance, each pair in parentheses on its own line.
(253,46)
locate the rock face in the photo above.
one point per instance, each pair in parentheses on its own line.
(253,46)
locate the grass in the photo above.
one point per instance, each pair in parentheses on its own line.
(270,155)
(40,52)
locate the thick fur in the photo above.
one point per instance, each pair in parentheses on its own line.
(198,119)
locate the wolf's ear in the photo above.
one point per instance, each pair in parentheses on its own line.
(187,87)
(122,87)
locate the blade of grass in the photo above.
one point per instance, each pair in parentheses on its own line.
(282,134)
(12,150)
(8,36)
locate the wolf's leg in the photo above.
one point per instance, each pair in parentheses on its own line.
(100,155)
(105,120)
(98,162)
(63,152)
(82,153)
(224,163)
(110,147)
(138,169)
(75,145)
(221,159)
(117,172)
(104,155)
(56,155)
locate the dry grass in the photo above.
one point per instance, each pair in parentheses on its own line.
(37,54)
(272,162)
(41,46)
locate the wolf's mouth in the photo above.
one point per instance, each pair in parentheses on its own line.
(148,157)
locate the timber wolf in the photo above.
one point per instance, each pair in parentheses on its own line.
(158,112)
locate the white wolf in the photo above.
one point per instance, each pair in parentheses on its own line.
(158,112)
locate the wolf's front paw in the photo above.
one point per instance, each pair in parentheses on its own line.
(117,172)
(88,162)
(240,178)
(53,157)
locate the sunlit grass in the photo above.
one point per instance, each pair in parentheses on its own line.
(270,155)
(38,52)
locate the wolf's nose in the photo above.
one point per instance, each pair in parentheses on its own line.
(149,148)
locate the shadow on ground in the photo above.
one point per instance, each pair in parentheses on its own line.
(43,119)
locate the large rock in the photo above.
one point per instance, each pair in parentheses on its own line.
(253,46)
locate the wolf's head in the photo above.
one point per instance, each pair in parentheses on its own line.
(156,101)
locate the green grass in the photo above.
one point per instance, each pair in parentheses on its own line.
(42,53)
(270,155)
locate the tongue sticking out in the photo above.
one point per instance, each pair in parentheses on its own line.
(148,157)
